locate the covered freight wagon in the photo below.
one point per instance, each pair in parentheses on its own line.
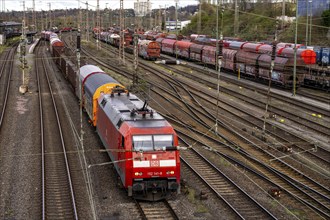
(183,48)
(93,82)
(209,55)
(168,46)
(247,63)
(196,52)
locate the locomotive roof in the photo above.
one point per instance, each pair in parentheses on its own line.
(119,108)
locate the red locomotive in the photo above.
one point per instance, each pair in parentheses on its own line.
(142,144)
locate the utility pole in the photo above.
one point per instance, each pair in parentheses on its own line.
(66,17)
(24,87)
(98,25)
(306,40)
(272,64)
(136,61)
(122,34)
(218,56)
(165,18)
(283,14)
(46,25)
(34,16)
(310,22)
(50,16)
(295,54)
(149,11)
(42,20)
(176,29)
(80,18)
(236,24)
(106,22)
(87,23)
(199,24)
(137,15)
(160,18)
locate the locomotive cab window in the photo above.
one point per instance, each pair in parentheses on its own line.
(161,141)
(151,142)
(142,143)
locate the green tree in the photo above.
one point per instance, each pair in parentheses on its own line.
(326,18)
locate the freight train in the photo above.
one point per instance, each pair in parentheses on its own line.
(247,59)
(142,145)
(250,60)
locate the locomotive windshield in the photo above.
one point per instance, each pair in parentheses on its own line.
(152,142)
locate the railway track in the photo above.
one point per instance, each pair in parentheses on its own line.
(299,189)
(234,196)
(325,98)
(5,79)
(319,95)
(156,210)
(58,199)
(280,134)
(320,126)
(293,176)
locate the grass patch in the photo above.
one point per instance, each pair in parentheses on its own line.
(191,195)
(295,212)
(201,209)
(9,43)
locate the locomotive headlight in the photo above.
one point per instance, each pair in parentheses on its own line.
(138,173)
(170,172)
